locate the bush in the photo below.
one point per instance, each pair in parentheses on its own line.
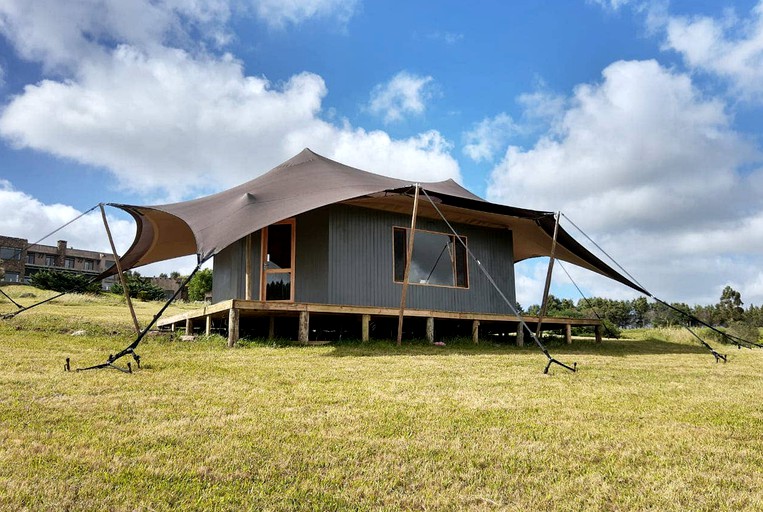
(61,281)
(140,288)
(200,284)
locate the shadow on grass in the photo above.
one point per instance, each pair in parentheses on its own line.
(611,348)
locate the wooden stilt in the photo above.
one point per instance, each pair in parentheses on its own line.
(188,326)
(271,327)
(122,280)
(304,326)
(406,274)
(476,331)
(430,329)
(546,288)
(568,334)
(233,318)
(365,321)
(597,330)
(208,326)
(520,336)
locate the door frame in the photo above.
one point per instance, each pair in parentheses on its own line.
(263,260)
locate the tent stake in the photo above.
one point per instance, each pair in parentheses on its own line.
(119,271)
(547,287)
(408,256)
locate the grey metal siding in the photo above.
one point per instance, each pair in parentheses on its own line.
(361,266)
(229,270)
(311,266)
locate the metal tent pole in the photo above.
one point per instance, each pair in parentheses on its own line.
(547,287)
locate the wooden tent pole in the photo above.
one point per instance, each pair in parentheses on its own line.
(408,256)
(544,304)
(119,270)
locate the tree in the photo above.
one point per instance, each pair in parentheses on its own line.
(200,284)
(139,287)
(730,306)
(174,274)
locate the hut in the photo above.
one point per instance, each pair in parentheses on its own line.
(314,249)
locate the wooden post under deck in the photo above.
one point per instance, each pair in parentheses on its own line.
(304,326)
(188,326)
(430,329)
(597,330)
(365,327)
(271,327)
(233,317)
(568,333)
(208,326)
(520,336)
(476,331)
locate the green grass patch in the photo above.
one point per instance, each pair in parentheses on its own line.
(646,424)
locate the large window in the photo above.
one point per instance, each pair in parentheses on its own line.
(438,259)
(69,263)
(10,253)
(50,260)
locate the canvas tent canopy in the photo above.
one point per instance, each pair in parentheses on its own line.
(308,181)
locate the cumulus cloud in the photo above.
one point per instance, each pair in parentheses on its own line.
(731,48)
(488,137)
(650,168)
(170,121)
(404,94)
(26,217)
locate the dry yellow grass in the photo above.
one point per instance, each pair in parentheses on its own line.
(644,425)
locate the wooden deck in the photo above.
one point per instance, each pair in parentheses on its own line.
(230,312)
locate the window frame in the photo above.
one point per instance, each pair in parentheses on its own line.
(454,264)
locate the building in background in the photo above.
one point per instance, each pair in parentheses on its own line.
(21,260)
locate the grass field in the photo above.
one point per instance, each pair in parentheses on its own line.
(650,423)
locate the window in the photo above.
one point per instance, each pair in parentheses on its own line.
(89,265)
(10,253)
(50,260)
(69,263)
(30,257)
(438,259)
(11,277)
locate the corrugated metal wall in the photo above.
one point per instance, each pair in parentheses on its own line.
(360,264)
(229,269)
(311,276)
(344,256)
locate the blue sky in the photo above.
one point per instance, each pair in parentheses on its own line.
(639,119)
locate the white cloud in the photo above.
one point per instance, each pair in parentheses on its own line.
(278,13)
(168,122)
(610,4)
(731,48)
(26,217)
(650,168)
(404,94)
(488,137)
(446,37)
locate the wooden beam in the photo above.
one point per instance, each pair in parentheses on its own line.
(271,327)
(406,274)
(304,326)
(520,335)
(568,333)
(476,331)
(233,318)
(122,280)
(365,321)
(208,326)
(597,330)
(248,268)
(430,329)
(188,326)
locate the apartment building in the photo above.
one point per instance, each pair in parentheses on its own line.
(22,260)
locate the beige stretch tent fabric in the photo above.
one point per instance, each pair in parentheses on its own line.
(308,181)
